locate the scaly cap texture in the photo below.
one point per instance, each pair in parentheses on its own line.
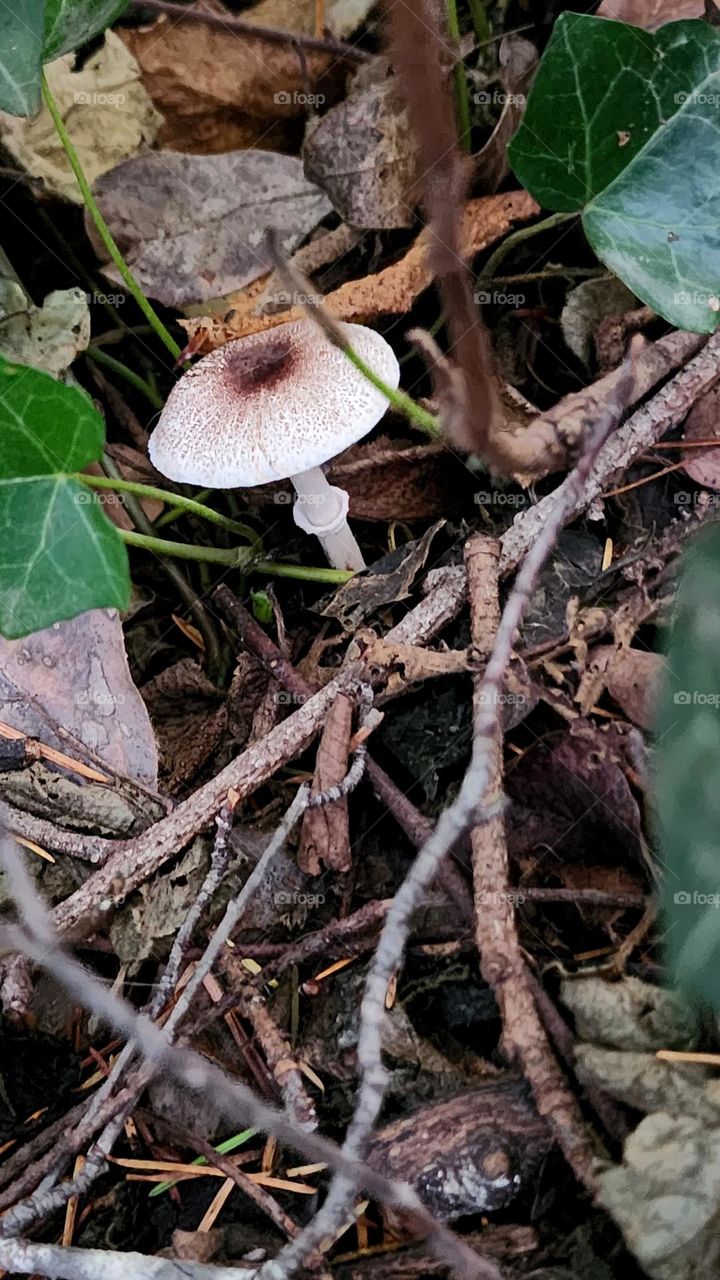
(269,406)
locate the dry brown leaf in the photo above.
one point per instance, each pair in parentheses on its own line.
(392,291)
(518,60)
(408,663)
(630,676)
(75,675)
(325,838)
(390,579)
(210,83)
(703,424)
(189,717)
(650,13)
(392,480)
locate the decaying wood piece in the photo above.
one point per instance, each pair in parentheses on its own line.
(545,444)
(325,836)
(647,425)
(134,861)
(422,621)
(275,1046)
(473,1153)
(502,962)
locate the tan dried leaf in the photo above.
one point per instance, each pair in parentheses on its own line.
(392,291)
(47,337)
(107,112)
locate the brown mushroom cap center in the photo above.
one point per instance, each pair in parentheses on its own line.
(264,367)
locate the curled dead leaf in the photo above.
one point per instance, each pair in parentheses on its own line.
(650,14)
(630,676)
(106,110)
(362,154)
(703,466)
(392,291)
(220,91)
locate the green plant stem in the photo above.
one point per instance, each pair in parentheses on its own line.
(102,228)
(517,237)
(420,417)
(222,1149)
(172,499)
(123,371)
(554,273)
(462,98)
(277,569)
(480,21)
(200,615)
(169,517)
(236,557)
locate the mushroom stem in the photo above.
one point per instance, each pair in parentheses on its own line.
(322,508)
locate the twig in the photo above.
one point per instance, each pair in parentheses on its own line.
(236,908)
(59,1263)
(667,408)
(557,433)
(134,861)
(131,862)
(233,1099)
(473,803)
(416,826)
(234,25)
(419,54)
(501,960)
(276,1048)
(111,1096)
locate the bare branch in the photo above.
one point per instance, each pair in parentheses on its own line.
(58,1263)
(472,806)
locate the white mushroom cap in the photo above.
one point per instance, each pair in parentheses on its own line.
(270,406)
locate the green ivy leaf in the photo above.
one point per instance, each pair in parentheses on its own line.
(69,23)
(37,31)
(623,126)
(687,790)
(59,554)
(21,56)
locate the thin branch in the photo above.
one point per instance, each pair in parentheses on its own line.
(233,1099)
(59,1263)
(502,963)
(236,26)
(474,804)
(668,407)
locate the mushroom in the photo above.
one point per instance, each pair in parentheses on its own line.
(276,406)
